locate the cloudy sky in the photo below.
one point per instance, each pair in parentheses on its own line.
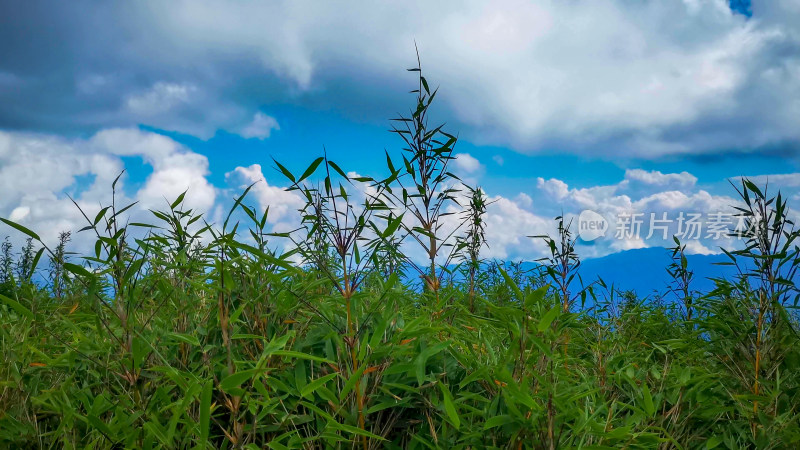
(616,106)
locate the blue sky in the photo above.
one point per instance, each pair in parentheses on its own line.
(608,105)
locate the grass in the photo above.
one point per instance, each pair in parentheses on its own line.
(180,334)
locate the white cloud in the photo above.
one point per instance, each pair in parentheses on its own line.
(468,168)
(182,106)
(556,188)
(283,205)
(176,169)
(621,245)
(467,163)
(524,200)
(510,221)
(789,180)
(20,213)
(36,171)
(653,77)
(260,127)
(508,225)
(160,98)
(602,77)
(647,195)
(696,248)
(682,180)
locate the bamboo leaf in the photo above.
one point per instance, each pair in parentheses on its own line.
(189,339)
(205,412)
(311,169)
(285,171)
(449,406)
(536,297)
(354,430)
(647,399)
(497,421)
(178,200)
(351,382)
(19,227)
(548,318)
(77,270)
(16,306)
(236,379)
(310,388)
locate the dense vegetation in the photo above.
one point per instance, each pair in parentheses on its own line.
(183,334)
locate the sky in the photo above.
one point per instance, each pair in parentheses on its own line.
(623,108)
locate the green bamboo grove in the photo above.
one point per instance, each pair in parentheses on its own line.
(178,333)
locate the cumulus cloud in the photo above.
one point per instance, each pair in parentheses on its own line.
(159,99)
(789,180)
(176,169)
(523,200)
(467,163)
(37,172)
(555,188)
(644,209)
(697,248)
(605,78)
(632,212)
(283,205)
(508,225)
(468,168)
(19,213)
(683,180)
(260,127)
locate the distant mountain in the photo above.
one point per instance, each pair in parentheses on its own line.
(644,271)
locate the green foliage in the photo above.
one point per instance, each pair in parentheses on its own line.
(422,184)
(180,334)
